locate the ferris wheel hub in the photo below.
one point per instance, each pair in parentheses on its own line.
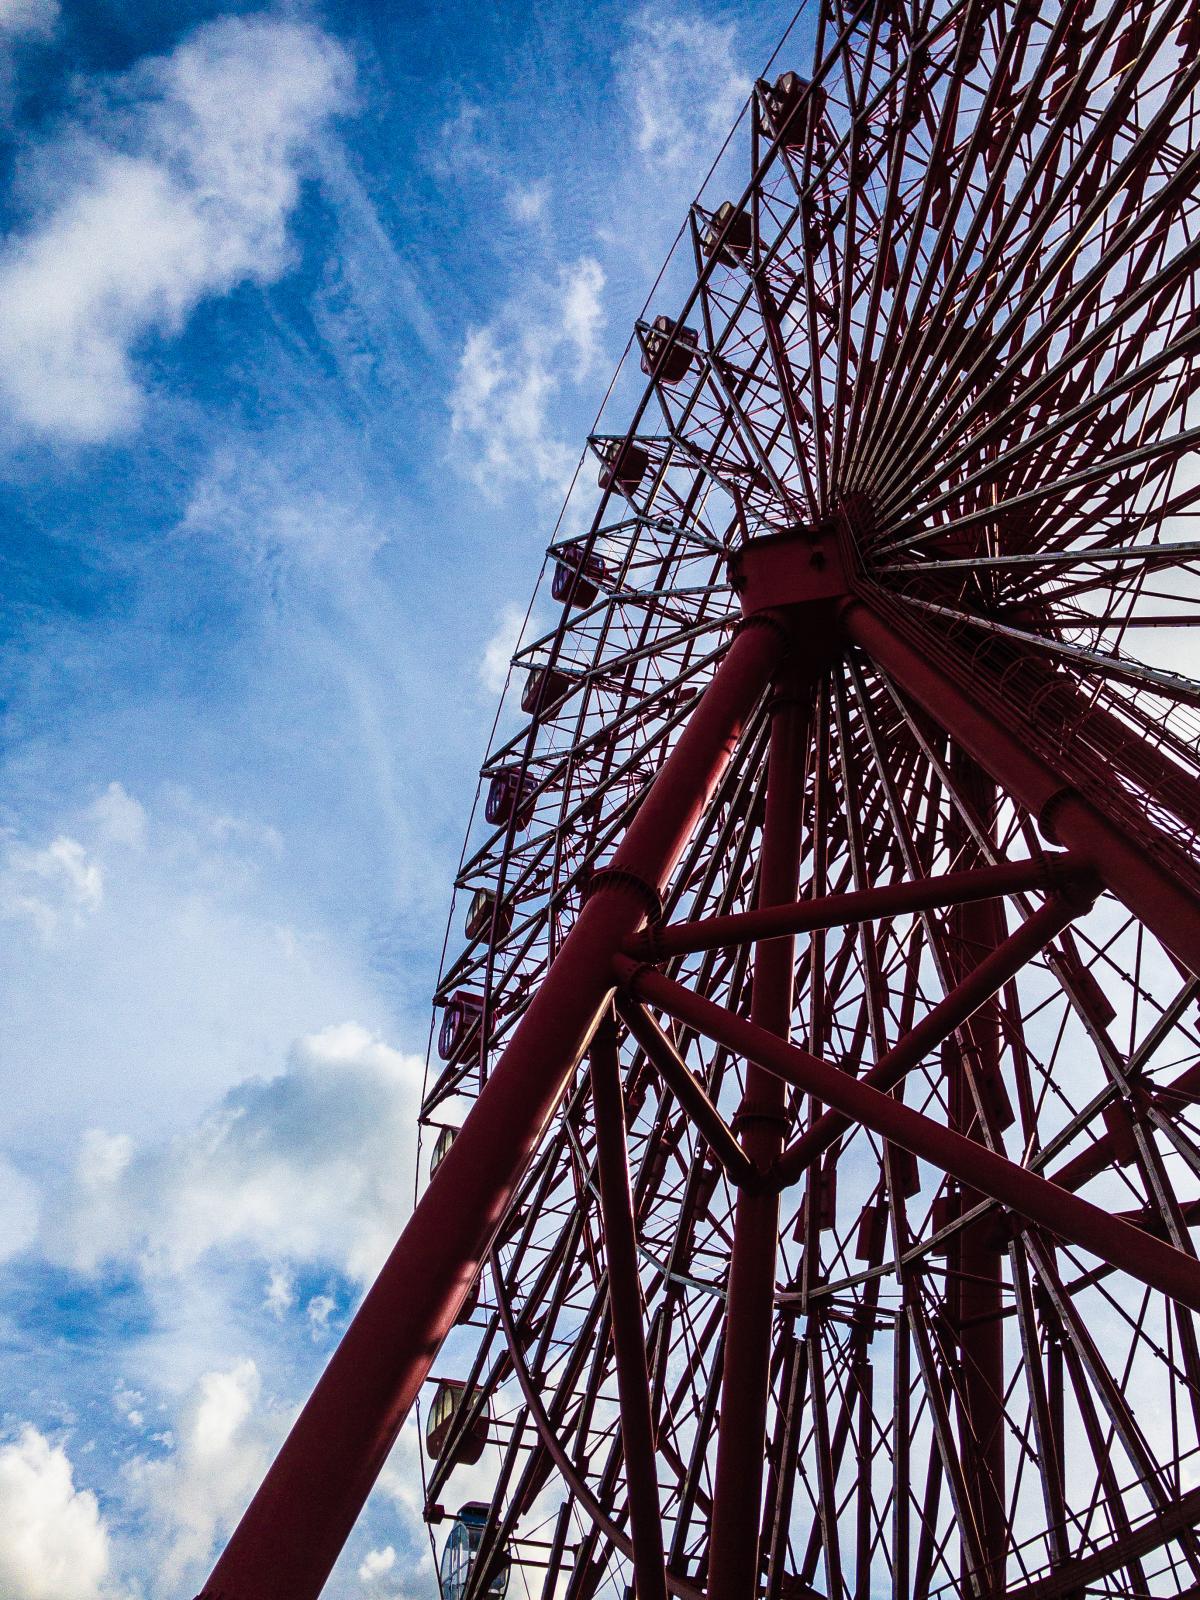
(803,566)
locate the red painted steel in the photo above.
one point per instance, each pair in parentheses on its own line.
(943,356)
(733,1562)
(690,1094)
(625,1310)
(293,1530)
(1031,1197)
(866,905)
(1133,873)
(976,987)
(974,1285)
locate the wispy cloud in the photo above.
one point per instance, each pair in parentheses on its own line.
(56,885)
(224,1439)
(684,87)
(27,19)
(528,202)
(181,191)
(498,652)
(510,371)
(263,511)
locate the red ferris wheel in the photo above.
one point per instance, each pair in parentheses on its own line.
(817,1157)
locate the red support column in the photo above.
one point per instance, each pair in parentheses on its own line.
(974,1281)
(293,1531)
(625,1312)
(733,1558)
(1134,873)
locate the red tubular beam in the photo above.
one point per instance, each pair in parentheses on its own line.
(688,1091)
(293,1530)
(625,1310)
(733,1550)
(865,905)
(974,1291)
(1143,883)
(992,973)
(1160,1266)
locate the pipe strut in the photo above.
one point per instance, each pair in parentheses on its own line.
(295,1527)
(1160,1266)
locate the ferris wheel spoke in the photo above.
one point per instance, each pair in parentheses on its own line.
(1172,685)
(918,299)
(951,1465)
(924,318)
(854,204)
(1087,1358)
(1065,249)
(1123,387)
(994,420)
(1151,556)
(1173,447)
(1100,420)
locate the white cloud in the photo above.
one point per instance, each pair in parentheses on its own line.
(28,19)
(224,1442)
(582,312)
(400,1486)
(52,888)
(181,197)
(498,652)
(377,1563)
(510,371)
(18,1210)
(528,202)
(683,85)
(254,505)
(280,1294)
(129,1404)
(53,1542)
(120,818)
(313,1165)
(318,1312)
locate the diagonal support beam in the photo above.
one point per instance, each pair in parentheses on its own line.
(992,973)
(688,1090)
(625,1313)
(1135,873)
(1160,1266)
(862,905)
(293,1531)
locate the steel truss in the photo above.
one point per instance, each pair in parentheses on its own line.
(823,1054)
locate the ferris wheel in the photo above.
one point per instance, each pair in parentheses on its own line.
(817,1159)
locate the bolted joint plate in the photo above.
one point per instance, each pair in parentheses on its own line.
(808,565)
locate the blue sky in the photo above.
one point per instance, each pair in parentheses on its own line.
(304,314)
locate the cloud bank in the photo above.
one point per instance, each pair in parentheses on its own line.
(53,1542)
